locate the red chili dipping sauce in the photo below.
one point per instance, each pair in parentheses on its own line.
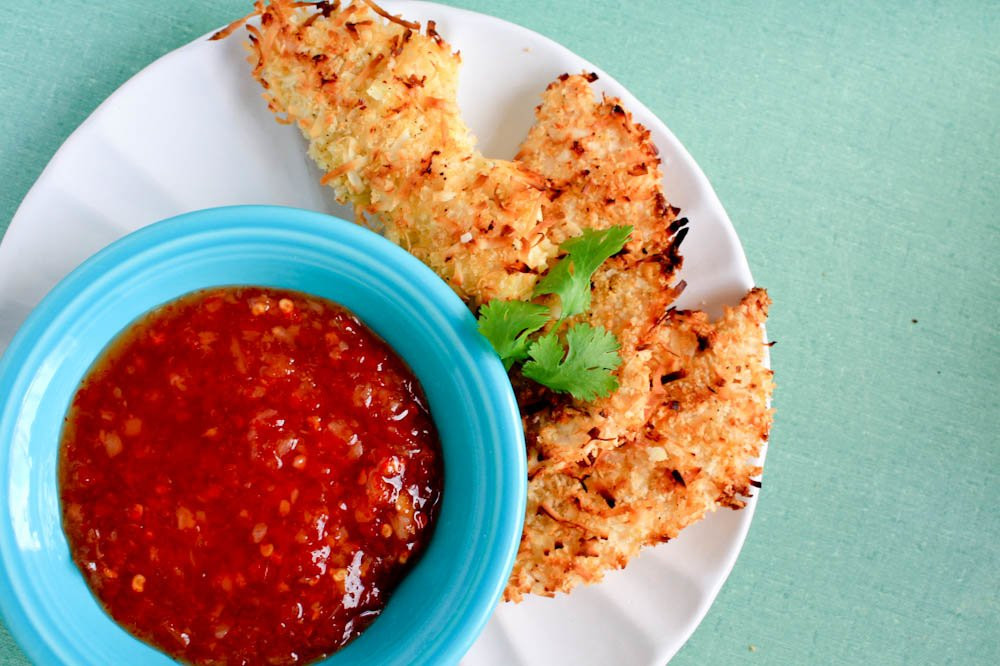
(245,476)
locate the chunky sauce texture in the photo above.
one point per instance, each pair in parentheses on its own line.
(246,474)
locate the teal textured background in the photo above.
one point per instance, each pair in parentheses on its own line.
(856,147)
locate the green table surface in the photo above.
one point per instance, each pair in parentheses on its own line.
(856,147)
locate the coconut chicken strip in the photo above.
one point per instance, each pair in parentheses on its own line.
(695,454)
(603,170)
(679,437)
(376,100)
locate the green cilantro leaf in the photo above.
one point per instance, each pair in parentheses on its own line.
(583,365)
(507,325)
(570,277)
(586,372)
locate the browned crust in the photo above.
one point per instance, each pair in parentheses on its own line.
(603,170)
(697,452)
(376,100)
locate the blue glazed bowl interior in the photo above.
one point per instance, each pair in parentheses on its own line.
(443,603)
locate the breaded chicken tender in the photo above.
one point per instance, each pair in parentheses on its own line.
(695,454)
(603,171)
(376,100)
(678,439)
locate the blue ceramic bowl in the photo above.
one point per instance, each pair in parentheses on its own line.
(444,602)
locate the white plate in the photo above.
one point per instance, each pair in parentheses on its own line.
(191,131)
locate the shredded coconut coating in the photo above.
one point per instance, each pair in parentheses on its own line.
(696,453)
(679,437)
(603,170)
(376,101)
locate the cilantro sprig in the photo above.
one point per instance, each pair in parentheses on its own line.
(580,362)
(584,370)
(507,325)
(570,278)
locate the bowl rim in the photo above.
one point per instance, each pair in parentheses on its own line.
(28,348)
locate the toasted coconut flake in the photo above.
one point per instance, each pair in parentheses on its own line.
(412,25)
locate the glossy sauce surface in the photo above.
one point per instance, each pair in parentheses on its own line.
(245,476)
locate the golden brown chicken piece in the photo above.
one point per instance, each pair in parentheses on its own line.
(678,438)
(376,99)
(697,453)
(603,170)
